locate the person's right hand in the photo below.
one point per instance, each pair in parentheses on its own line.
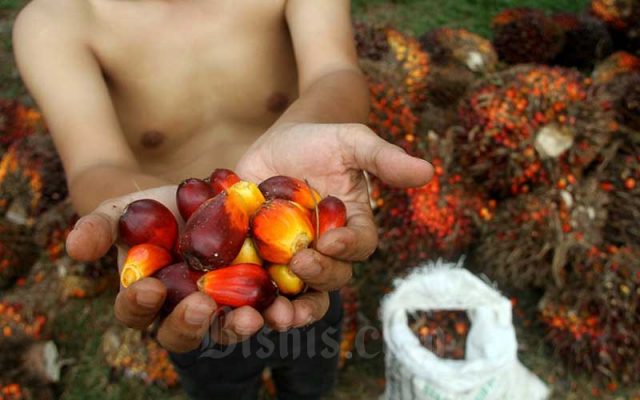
(138,305)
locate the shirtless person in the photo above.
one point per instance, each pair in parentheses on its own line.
(140,94)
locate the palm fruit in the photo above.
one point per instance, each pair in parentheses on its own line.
(180,281)
(523,127)
(459,46)
(432,221)
(143,260)
(527,240)
(248,254)
(288,188)
(222,179)
(279,229)
(586,40)
(18,321)
(617,64)
(215,233)
(623,19)
(136,354)
(251,196)
(190,195)
(526,35)
(371,42)
(239,285)
(350,307)
(288,283)
(18,252)
(592,322)
(17,122)
(31,177)
(331,214)
(52,227)
(148,221)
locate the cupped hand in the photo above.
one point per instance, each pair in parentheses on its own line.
(139,305)
(332,158)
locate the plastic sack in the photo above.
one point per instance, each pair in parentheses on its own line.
(490,370)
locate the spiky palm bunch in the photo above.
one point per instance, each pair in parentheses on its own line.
(528,125)
(526,35)
(623,18)
(593,321)
(18,252)
(459,46)
(527,241)
(586,40)
(16,321)
(618,64)
(17,121)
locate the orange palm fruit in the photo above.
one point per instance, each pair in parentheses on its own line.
(332,214)
(280,228)
(143,260)
(222,179)
(250,195)
(288,188)
(215,233)
(239,285)
(289,284)
(248,254)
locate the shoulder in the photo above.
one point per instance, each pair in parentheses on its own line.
(52,19)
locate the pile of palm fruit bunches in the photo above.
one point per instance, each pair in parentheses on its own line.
(535,141)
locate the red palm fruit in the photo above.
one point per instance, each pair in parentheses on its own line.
(180,281)
(289,284)
(215,233)
(239,285)
(143,260)
(332,213)
(279,229)
(222,179)
(248,254)
(250,195)
(288,188)
(191,194)
(148,221)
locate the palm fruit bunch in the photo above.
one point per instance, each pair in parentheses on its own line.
(53,226)
(135,354)
(349,297)
(435,220)
(457,57)
(526,35)
(623,19)
(401,63)
(16,321)
(237,242)
(525,126)
(617,64)
(593,321)
(12,391)
(586,40)
(18,252)
(442,332)
(391,117)
(17,121)
(371,42)
(31,177)
(527,241)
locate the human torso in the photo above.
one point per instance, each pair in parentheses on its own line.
(194,82)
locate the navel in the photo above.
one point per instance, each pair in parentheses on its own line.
(277,102)
(152,139)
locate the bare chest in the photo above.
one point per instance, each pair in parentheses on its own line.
(183,68)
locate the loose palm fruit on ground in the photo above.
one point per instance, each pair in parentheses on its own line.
(143,260)
(279,229)
(148,221)
(222,179)
(180,281)
(289,284)
(239,285)
(191,194)
(250,195)
(332,213)
(287,188)
(248,254)
(215,233)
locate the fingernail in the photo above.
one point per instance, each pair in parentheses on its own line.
(148,298)
(335,247)
(197,314)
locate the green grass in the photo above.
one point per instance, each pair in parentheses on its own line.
(418,16)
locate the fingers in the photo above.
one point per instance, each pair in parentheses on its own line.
(237,326)
(279,316)
(364,150)
(319,271)
(138,305)
(309,308)
(184,329)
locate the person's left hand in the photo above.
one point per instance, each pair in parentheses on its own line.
(332,158)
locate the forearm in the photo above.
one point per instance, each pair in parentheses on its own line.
(337,97)
(101,183)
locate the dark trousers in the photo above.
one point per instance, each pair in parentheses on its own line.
(303,363)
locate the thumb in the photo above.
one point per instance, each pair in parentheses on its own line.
(94,234)
(367,151)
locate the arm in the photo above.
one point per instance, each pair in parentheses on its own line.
(64,77)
